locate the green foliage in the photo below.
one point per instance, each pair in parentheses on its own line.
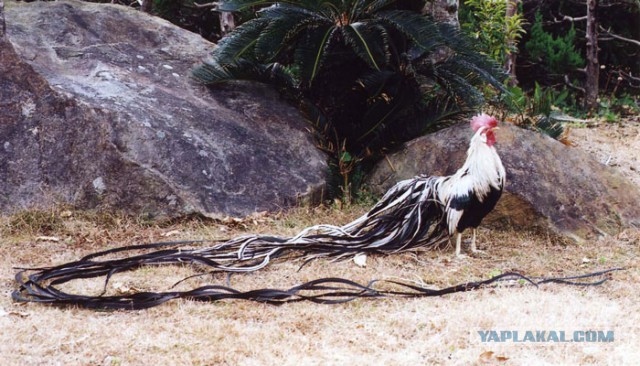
(558,54)
(486,21)
(367,73)
(625,105)
(515,100)
(351,173)
(494,272)
(538,111)
(541,110)
(612,108)
(609,116)
(618,18)
(514,29)
(361,63)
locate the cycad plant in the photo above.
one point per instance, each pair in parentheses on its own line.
(369,73)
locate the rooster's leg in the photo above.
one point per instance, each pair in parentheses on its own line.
(473,244)
(458,244)
(473,241)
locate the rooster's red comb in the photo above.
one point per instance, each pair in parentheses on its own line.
(483,120)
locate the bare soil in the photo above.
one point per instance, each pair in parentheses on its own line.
(613,144)
(394,331)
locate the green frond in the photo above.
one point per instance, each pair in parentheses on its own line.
(237,5)
(480,68)
(421,32)
(372,83)
(358,9)
(436,113)
(414,118)
(367,42)
(241,42)
(283,26)
(369,78)
(212,72)
(379,116)
(388,94)
(283,77)
(312,50)
(459,85)
(455,38)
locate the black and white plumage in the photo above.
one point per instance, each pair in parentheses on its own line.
(418,212)
(473,191)
(451,204)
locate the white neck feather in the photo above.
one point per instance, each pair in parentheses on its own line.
(483,164)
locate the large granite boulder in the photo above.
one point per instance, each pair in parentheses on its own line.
(549,185)
(97,110)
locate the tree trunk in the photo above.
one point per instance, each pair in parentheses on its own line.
(445,11)
(510,57)
(227,23)
(593,67)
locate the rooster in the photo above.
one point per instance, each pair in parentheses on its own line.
(418,212)
(422,212)
(473,191)
(425,211)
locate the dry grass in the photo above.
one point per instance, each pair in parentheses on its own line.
(382,331)
(376,331)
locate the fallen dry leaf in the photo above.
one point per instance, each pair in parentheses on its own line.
(489,357)
(48,238)
(171,233)
(66,214)
(485,356)
(124,289)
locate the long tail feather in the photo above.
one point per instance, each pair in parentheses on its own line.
(408,216)
(323,291)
